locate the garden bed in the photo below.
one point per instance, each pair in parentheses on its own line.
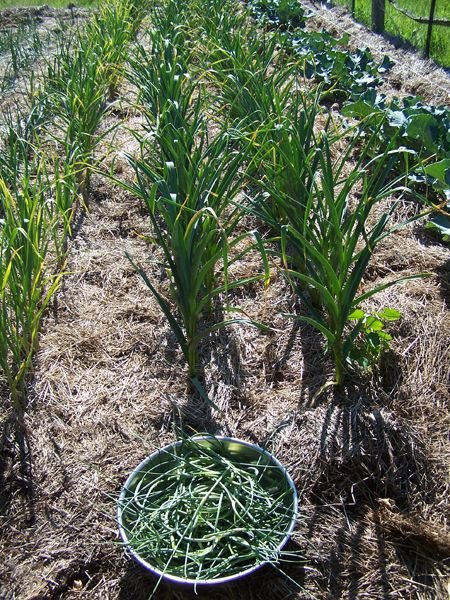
(108,388)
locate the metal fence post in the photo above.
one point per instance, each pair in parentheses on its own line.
(378,12)
(352,8)
(430,29)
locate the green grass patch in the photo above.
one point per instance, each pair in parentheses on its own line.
(402,26)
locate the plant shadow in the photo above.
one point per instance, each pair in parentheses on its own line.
(366,453)
(367,460)
(276,362)
(317,371)
(340,560)
(276,583)
(444,278)
(17,486)
(303,340)
(217,384)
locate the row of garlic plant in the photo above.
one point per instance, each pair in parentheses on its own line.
(273,137)
(186,177)
(80,83)
(317,199)
(32,202)
(45,167)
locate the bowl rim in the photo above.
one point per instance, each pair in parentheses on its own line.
(218,580)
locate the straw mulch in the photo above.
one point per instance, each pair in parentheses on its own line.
(411,74)
(370,462)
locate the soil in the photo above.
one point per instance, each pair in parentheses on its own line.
(370,462)
(49,23)
(12,17)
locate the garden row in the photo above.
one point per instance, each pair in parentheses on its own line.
(274,141)
(45,168)
(19,48)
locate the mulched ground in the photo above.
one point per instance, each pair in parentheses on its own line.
(411,74)
(370,462)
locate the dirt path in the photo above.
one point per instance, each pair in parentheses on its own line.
(49,23)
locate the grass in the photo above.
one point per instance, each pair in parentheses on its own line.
(399,25)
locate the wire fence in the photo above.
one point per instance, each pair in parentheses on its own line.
(423,23)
